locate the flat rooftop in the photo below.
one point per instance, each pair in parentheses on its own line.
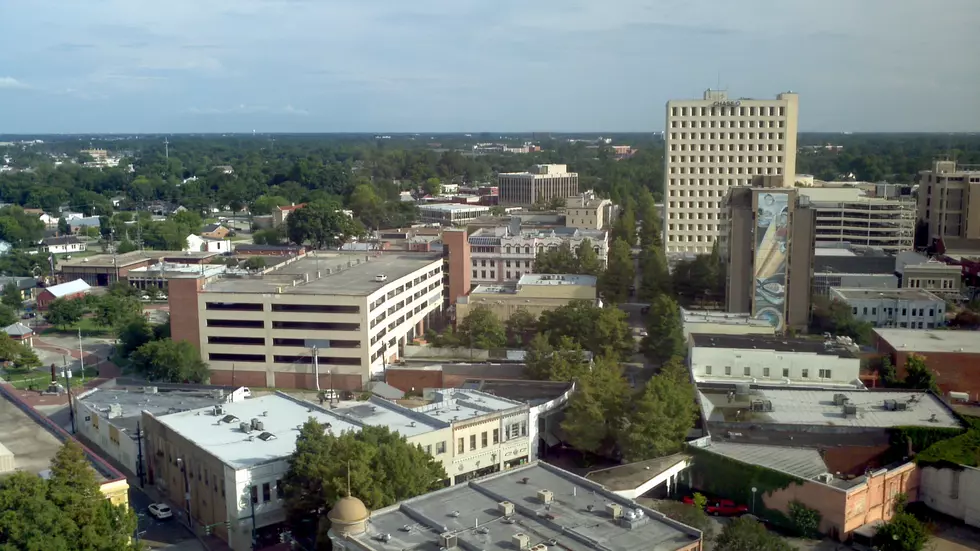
(887,294)
(453,207)
(282,415)
(532,393)
(576,520)
(557,279)
(633,475)
(107,260)
(765,342)
(927,340)
(176,270)
(723,318)
(817,408)
(341,274)
(130,403)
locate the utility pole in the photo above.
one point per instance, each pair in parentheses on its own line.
(316,367)
(71,406)
(139,454)
(81,355)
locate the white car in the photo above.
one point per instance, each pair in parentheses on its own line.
(160,511)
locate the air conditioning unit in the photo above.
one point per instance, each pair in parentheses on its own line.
(447,540)
(539,547)
(546,496)
(521,541)
(505,508)
(257,425)
(245,427)
(615,510)
(218,410)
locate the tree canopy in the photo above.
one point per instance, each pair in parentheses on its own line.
(322,225)
(169,361)
(665,331)
(746,534)
(63,312)
(481,328)
(616,281)
(659,417)
(602,331)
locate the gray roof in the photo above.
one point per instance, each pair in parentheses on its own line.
(929,340)
(23,283)
(18,330)
(889,294)
(88,221)
(767,342)
(470,512)
(802,462)
(128,403)
(63,240)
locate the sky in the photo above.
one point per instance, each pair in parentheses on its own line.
(142,66)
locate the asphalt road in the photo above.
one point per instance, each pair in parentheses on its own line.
(159,534)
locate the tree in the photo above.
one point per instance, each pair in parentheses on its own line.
(837,318)
(918,375)
(595,412)
(66,512)
(379,466)
(588,259)
(8,316)
(132,335)
(170,361)
(889,377)
(64,312)
(805,520)
(520,326)
(321,224)
(560,260)
(566,362)
(654,276)
(482,329)
(126,246)
(625,227)
(602,331)
(255,263)
(10,349)
(651,233)
(12,296)
(432,186)
(616,281)
(903,532)
(692,515)
(268,236)
(696,280)
(265,204)
(665,332)
(63,227)
(660,417)
(746,534)
(112,310)
(27,359)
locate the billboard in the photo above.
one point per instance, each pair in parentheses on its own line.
(771,257)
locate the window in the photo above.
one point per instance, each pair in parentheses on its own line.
(865,310)
(428,449)
(462,446)
(255,494)
(707,370)
(266,492)
(440,448)
(515,430)
(765,371)
(824,373)
(483,439)
(316,308)
(747,371)
(806,373)
(496,436)
(523,428)
(728,370)
(785,372)
(472,442)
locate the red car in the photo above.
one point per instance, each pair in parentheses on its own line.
(720,507)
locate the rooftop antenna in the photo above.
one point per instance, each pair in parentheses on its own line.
(166,148)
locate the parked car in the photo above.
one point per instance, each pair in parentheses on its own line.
(160,511)
(720,507)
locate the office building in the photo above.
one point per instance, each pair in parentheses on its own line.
(220,463)
(949,200)
(588,212)
(313,321)
(768,247)
(905,308)
(540,184)
(534,293)
(532,508)
(773,360)
(505,253)
(716,143)
(852,215)
(952,355)
(451,214)
(844,265)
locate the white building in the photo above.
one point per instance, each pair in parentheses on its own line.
(779,361)
(505,253)
(63,245)
(541,183)
(902,308)
(723,323)
(451,214)
(199,243)
(715,143)
(952,490)
(220,464)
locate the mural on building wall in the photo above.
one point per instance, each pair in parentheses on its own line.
(771,257)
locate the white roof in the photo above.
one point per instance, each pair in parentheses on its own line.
(70,288)
(453,207)
(928,340)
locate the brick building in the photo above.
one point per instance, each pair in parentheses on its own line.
(68,291)
(953,355)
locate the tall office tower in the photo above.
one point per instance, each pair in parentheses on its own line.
(949,200)
(767,242)
(713,144)
(541,183)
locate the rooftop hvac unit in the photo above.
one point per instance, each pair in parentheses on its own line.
(218,410)
(615,510)
(546,496)
(245,427)
(505,508)
(826,478)
(742,389)
(150,389)
(850,410)
(840,399)
(257,425)
(521,541)
(901,406)
(539,547)
(761,405)
(447,540)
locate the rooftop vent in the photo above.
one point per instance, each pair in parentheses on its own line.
(546,496)
(150,389)
(761,405)
(505,508)
(266,436)
(257,425)
(615,510)
(448,540)
(411,424)
(229,419)
(933,418)
(385,538)
(850,411)
(826,478)
(454,514)
(539,547)
(521,541)
(525,480)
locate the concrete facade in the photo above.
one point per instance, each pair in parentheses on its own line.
(850,215)
(949,200)
(534,293)
(953,491)
(588,212)
(505,253)
(904,308)
(541,183)
(713,144)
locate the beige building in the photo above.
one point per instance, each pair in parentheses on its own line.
(713,144)
(225,463)
(315,320)
(541,183)
(588,212)
(852,215)
(532,292)
(935,277)
(768,245)
(949,200)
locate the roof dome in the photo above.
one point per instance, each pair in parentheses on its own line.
(348,510)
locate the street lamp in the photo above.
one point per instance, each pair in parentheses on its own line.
(754,490)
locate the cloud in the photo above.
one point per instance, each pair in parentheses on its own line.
(12,83)
(245,109)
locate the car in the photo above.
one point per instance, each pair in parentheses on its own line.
(725,508)
(643,333)
(160,511)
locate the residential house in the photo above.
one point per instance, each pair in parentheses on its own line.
(63,245)
(280,214)
(80,225)
(200,243)
(215,231)
(26,285)
(70,291)
(20,333)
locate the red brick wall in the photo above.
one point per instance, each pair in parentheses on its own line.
(406,379)
(955,371)
(460,267)
(45,298)
(226,377)
(306,380)
(184,323)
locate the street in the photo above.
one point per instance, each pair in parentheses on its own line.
(167,534)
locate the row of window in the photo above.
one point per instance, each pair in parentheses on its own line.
(282,359)
(727,124)
(747,372)
(674,238)
(892,311)
(729,111)
(289,325)
(292,308)
(733,147)
(728,159)
(724,170)
(918,283)
(726,135)
(260,341)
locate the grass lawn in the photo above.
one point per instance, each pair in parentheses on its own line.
(87,325)
(41,379)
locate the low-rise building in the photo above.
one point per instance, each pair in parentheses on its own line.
(158,275)
(723,323)
(842,265)
(215,231)
(280,214)
(269,250)
(952,355)
(207,244)
(20,333)
(69,291)
(451,214)
(530,508)
(934,276)
(102,270)
(534,293)
(26,285)
(218,463)
(905,308)
(772,360)
(588,212)
(63,245)
(505,253)
(953,490)
(80,225)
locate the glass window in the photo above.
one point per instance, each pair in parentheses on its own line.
(806,373)
(472,442)
(785,372)
(765,371)
(266,492)
(255,494)
(483,439)
(440,447)
(496,436)
(728,370)
(462,445)
(707,370)
(747,371)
